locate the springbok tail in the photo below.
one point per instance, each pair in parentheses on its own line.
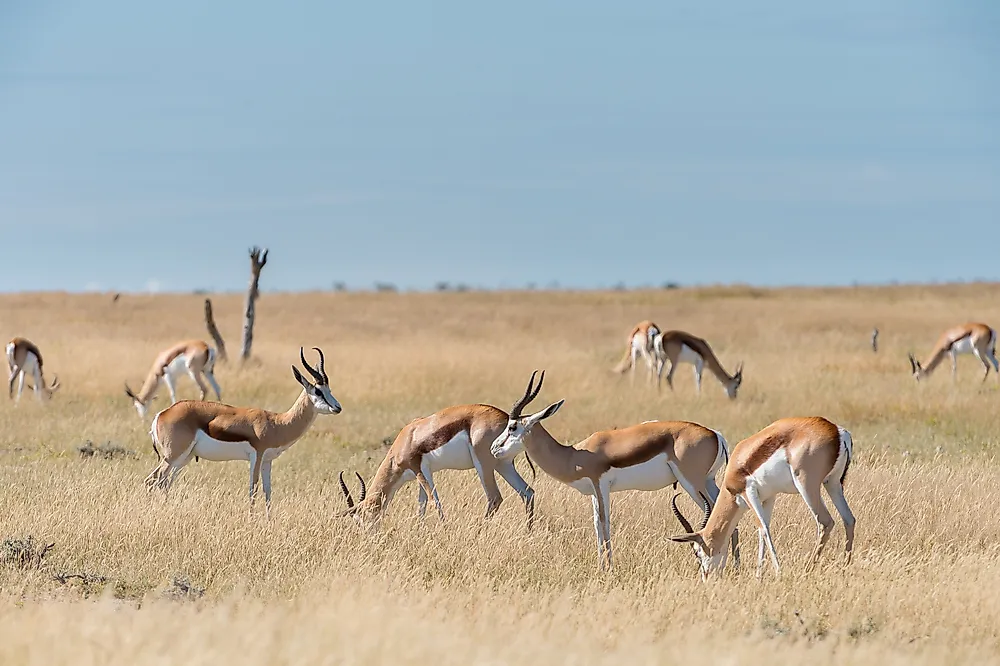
(848,443)
(152,435)
(658,345)
(722,457)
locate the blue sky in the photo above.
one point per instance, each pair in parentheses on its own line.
(147,145)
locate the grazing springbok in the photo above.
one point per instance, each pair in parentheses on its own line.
(24,359)
(456,437)
(790,456)
(191,357)
(639,344)
(219,432)
(972,338)
(680,347)
(648,456)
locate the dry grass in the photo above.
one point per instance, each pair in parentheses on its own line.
(135,577)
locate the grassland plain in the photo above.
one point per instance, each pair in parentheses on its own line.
(308,587)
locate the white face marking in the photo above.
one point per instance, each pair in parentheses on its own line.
(323,400)
(510,442)
(710,563)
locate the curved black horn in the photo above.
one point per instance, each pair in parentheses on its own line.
(515,411)
(364,490)
(708,510)
(312,371)
(322,364)
(680,517)
(347,493)
(529,394)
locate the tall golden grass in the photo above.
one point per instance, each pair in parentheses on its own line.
(307,587)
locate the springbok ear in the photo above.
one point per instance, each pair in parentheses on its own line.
(547,412)
(300,379)
(914,366)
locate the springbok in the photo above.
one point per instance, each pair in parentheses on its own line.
(680,347)
(24,359)
(792,455)
(648,456)
(639,344)
(456,437)
(214,431)
(972,338)
(191,357)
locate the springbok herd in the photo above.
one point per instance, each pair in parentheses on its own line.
(792,455)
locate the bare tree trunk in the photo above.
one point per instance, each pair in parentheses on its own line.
(213,330)
(258,258)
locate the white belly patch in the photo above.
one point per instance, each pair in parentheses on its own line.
(454,454)
(963,346)
(774,477)
(688,355)
(30,366)
(271,454)
(653,474)
(177,366)
(209,448)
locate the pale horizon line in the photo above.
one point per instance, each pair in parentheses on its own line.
(457,288)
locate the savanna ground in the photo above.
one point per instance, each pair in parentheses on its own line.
(308,587)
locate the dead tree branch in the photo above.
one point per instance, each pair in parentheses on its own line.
(258,257)
(213,330)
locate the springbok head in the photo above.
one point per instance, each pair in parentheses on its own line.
(915,367)
(733,386)
(47,391)
(511,440)
(138,404)
(318,392)
(708,562)
(353,510)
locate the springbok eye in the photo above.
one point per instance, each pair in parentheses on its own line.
(513,427)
